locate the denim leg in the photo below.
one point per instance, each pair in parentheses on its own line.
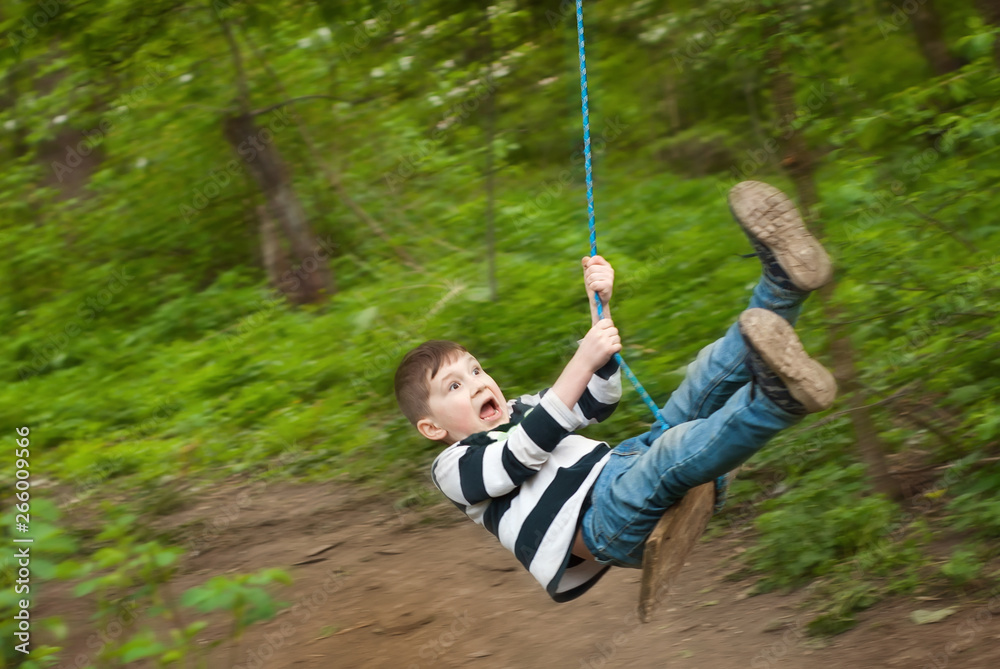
(719,370)
(641,481)
(719,424)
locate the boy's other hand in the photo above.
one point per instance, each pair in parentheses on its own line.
(599,344)
(598,277)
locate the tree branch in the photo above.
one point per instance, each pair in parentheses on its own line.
(928,468)
(834,416)
(940,224)
(898,287)
(243,91)
(877,316)
(331,176)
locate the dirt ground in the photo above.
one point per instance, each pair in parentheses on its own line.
(378,587)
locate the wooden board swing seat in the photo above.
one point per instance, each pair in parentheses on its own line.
(671,542)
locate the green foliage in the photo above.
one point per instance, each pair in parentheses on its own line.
(49,553)
(148,346)
(973,506)
(811,528)
(844,602)
(243,595)
(892,565)
(130,582)
(964,565)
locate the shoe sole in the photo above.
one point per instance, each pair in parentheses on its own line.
(770,216)
(775,340)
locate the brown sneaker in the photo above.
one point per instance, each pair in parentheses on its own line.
(791,256)
(781,368)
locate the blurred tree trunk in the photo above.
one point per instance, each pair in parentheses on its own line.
(311,280)
(990,9)
(332,177)
(800,164)
(927,27)
(274,256)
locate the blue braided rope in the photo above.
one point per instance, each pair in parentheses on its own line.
(721,483)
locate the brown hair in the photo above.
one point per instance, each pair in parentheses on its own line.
(412,380)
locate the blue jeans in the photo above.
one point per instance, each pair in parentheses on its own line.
(715,422)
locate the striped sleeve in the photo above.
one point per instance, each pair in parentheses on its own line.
(601,396)
(471,473)
(599,399)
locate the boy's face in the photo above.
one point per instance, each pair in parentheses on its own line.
(463,400)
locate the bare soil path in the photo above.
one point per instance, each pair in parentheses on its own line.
(382,588)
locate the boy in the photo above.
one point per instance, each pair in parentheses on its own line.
(569,507)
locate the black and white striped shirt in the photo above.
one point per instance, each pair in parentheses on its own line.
(526,481)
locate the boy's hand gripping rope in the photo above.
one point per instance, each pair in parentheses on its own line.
(721,483)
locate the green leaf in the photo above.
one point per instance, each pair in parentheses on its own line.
(195,627)
(165,558)
(142,644)
(363,319)
(926,617)
(57,626)
(70,569)
(86,587)
(173,655)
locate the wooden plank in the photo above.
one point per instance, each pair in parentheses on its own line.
(670,543)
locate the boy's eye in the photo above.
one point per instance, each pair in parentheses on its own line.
(454,384)
(475,370)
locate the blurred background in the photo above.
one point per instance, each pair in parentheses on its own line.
(224,222)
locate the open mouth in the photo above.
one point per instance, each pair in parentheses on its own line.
(489,410)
